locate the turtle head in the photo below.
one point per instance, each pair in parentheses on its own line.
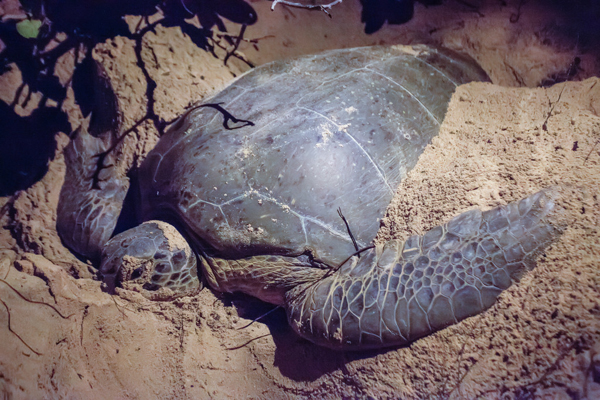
(153,259)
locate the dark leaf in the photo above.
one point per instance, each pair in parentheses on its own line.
(237,11)
(376,12)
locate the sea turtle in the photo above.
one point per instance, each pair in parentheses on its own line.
(260,205)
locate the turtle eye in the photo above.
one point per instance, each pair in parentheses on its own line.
(151,286)
(136,273)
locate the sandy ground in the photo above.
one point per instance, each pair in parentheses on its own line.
(64,338)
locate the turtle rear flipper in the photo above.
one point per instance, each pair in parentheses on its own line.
(91,197)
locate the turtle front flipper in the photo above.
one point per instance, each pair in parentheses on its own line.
(402,291)
(153,259)
(91,197)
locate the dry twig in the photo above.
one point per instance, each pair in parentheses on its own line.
(321,7)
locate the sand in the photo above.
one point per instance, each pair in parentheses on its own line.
(62,337)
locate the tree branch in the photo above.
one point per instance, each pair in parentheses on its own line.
(321,7)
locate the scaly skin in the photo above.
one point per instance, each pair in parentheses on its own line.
(400,292)
(88,210)
(154,259)
(265,277)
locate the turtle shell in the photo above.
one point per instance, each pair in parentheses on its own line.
(337,130)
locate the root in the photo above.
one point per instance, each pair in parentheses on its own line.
(29,301)
(248,342)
